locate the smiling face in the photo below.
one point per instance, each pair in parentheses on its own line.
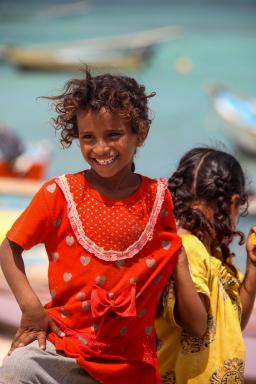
(107,143)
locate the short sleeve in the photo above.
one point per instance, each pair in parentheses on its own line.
(166,214)
(199,262)
(33,225)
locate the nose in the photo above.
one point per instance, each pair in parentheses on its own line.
(100,147)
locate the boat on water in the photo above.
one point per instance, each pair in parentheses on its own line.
(129,51)
(239,115)
(22,160)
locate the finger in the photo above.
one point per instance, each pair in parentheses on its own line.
(53,327)
(252,237)
(18,332)
(41,338)
(22,341)
(15,343)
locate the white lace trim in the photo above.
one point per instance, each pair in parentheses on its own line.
(100,252)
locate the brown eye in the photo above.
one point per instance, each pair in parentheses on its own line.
(86,137)
(114,134)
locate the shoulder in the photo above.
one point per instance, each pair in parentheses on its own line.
(52,189)
(156,187)
(196,251)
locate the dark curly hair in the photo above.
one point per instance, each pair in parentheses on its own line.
(212,177)
(120,95)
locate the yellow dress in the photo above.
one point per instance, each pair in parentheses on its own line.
(217,357)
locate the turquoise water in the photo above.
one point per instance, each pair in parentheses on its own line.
(218,38)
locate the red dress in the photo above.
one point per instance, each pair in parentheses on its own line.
(109,261)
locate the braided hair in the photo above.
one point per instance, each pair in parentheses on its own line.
(212,177)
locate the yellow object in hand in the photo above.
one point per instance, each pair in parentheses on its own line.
(253,238)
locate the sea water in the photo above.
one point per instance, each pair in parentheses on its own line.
(218,44)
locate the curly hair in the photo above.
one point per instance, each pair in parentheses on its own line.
(212,177)
(120,95)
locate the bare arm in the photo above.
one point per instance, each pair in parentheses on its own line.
(13,269)
(248,287)
(190,307)
(35,321)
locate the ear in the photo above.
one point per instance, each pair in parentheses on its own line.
(140,140)
(235,199)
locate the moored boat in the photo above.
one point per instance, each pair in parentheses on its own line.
(239,115)
(128,51)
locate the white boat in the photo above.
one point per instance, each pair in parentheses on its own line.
(128,51)
(239,115)
(31,164)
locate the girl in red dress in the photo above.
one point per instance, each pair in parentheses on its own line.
(112,245)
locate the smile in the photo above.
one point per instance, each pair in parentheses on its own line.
(105,162)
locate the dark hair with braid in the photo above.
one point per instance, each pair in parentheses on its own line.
(120,95)
(212,177)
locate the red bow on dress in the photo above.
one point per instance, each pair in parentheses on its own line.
(122,303)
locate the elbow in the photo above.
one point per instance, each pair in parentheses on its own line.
(197,327)
(198,331)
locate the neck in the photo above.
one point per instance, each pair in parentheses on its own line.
(118,186)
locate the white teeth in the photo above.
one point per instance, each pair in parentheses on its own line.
(105,161)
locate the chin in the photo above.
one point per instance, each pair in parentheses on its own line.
(105,173)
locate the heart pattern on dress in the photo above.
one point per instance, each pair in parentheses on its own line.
(166,244)
(70,240)
(120,263)
(142,313)
(67,276)
(80,296)
(85,260)
(51,187)
(57,222)
(100,280)
(55,256)
(148,330)
(86,306)
(163,213)
(150,262)
(157,279)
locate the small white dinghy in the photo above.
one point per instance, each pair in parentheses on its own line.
(239,115)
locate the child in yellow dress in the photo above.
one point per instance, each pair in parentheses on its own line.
(199,327)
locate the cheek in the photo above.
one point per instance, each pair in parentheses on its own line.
(84,149)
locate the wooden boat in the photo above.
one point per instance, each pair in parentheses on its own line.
(239,115)
(128,51)
(32,164)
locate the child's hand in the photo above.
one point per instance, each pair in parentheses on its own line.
(251,246)
(34,325)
